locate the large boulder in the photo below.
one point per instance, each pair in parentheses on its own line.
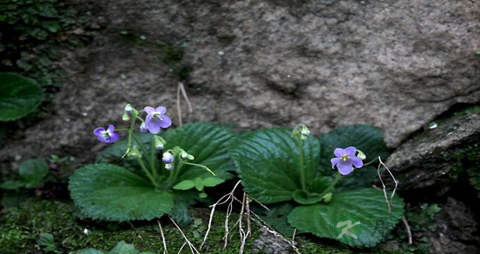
(435,160)
(394,64)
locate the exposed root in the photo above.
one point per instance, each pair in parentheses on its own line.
(257,219)
(245,210)
(384,188)
(187,242)
(409,232)
(165,251)
(229,197)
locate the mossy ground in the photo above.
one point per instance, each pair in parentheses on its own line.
(21,227)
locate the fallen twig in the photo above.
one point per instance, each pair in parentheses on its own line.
(181,90)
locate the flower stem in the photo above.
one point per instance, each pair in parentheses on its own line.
(200,166)
(149,175)
(150,160)
(332,185)
(300,164)
(130,134)
(153,159)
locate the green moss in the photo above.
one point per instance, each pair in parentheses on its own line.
(21,227)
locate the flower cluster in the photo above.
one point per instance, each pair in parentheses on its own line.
(154,122)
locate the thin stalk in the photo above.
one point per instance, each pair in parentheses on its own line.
(200,166)
(174,172)
(152,160)
(149,175)
(301,166)
(130,134)
(144,151)
(332,185)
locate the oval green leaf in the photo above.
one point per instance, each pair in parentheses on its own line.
(110,192)
(365,206)
(268,163)
(18,96)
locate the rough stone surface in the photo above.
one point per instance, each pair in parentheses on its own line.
(270,243)
(457,230)
(426,161)
(394,64)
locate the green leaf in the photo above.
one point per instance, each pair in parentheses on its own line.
(198,184)
(115,151)
(18,96)
(184,185)
(268,161)
(89,251)
(367,206)
(110,192)
(306,198)
(12,185)
(207,143)
(364,137)
(47,242)
(277,217)
(33,172)
(182,201)
(123,248)
(120,248)
(212,181)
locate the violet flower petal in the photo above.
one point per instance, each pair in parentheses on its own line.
(339,152)
(165,122)
(350,151)
(344,167)
(334,161)
(98,131)
(153,125)
(356,161)
(161,110)
(149,110)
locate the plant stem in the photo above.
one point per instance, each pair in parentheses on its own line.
(332,185)
(301,166)
(200,166)
(151,162)
(130,134)
(153,159)
(149,175)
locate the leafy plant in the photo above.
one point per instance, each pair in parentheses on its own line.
(293,170)
(18,96)
(144,187)
(121,248)
(32,174)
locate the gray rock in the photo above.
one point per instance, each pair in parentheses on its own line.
(427,160)
(394,64)
(457,230)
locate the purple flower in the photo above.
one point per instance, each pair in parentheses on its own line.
(107,136)
(156,119)
(346,160)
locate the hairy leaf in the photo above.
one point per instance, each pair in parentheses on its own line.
(366,206)
(207,143)
(268,162)
(110,192)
